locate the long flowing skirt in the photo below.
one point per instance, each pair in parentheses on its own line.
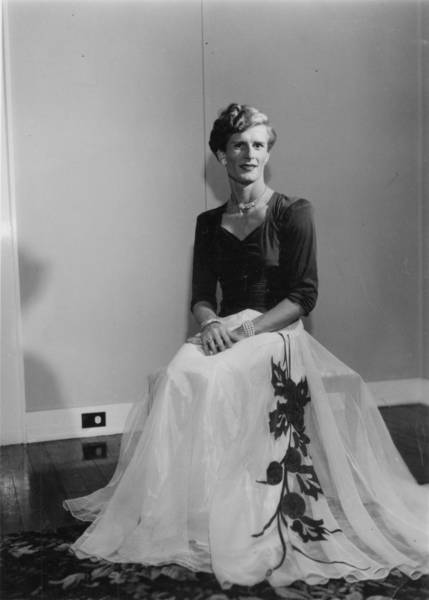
(268,460)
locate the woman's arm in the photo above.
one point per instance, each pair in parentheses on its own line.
(203,311)
(204,279)
(278,317)
(215,337)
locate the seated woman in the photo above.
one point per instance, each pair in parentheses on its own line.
(256,453)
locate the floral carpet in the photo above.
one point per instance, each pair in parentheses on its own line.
(39,566)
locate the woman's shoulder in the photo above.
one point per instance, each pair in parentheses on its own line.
(284,203)
(289,210)
(211,216)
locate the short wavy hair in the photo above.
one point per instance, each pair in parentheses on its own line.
(235,119)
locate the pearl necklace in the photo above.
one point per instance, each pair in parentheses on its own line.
(244,207)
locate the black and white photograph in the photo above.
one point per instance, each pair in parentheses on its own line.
(214,300)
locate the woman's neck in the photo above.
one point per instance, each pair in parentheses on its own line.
(246,194)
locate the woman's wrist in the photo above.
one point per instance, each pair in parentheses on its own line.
(209,321)
(203,311)
(247,328)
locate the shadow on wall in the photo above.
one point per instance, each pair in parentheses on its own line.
(33,276)
(42,389)
(216,179)
(191,324)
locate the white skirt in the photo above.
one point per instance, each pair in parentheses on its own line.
(269,460)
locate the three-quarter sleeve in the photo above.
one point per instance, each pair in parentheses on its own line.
(204,279)
(298,254)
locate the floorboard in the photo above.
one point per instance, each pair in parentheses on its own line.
(48,489)
(11,520)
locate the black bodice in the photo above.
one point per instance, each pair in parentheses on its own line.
(242,273)
(276,260)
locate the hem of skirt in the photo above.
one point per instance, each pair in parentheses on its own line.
(359,576)
(413,573)
(89,518)
(118,559)
(381,574)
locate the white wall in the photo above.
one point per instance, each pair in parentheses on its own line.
(112,107)
(424,190)
(12,392)
(107,112)
(340,82)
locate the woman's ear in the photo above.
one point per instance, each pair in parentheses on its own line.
(221,157)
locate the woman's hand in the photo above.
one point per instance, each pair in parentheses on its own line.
(217,338)
(239,333)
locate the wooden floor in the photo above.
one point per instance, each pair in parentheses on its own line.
(36,478)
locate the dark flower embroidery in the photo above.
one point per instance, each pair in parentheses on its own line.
(296,396)
(293,505)
(274,473)
(287,419)
(308,482)
(310,529)
(292,460)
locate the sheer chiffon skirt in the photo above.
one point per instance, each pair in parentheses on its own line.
(268,460)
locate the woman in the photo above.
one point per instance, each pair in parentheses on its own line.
(256,453)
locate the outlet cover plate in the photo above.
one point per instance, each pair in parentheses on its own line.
(95,419)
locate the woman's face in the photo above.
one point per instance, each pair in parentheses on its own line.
(246,155)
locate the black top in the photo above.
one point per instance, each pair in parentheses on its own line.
(276,260)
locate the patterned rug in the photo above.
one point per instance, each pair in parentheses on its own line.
(39,566)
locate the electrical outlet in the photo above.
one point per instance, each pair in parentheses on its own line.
(96,419)
(94,450)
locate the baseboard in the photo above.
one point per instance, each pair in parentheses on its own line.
(44,425)
(66,423)
(400,391)
(11,436)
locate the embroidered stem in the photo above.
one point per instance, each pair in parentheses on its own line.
(330,562)
(282,541)
(270,522)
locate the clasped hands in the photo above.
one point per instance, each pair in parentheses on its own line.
(216,337)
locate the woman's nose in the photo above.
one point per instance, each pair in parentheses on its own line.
(248,151)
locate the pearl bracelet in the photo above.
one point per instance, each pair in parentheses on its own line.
(209,322)
(248,328)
